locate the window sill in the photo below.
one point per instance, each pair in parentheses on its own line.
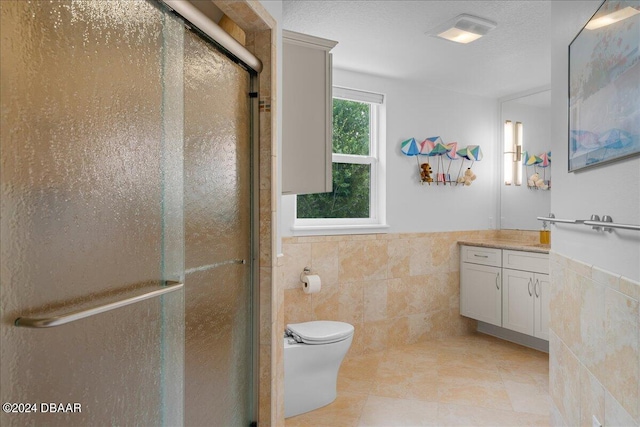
(321,230)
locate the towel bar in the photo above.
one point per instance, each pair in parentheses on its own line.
(49,322)
(606,224)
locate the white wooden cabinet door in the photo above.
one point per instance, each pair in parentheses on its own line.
(480,295)
(541,308)
(307,111)
(517,301)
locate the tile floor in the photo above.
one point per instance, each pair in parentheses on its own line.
(474,380)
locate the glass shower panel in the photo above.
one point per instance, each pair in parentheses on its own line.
(218,348)
(83,214)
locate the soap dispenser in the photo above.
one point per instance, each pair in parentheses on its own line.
(545,235)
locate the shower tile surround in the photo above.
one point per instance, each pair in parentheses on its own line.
(396,289)
(594,363)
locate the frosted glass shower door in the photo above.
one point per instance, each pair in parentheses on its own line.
(218,290)
(91,213)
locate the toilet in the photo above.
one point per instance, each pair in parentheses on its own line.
(313,352)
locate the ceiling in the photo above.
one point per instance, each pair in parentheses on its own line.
(390,39)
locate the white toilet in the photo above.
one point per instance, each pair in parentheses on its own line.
(313,352)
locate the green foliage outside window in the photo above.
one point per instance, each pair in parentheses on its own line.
(351,182)
(351,127)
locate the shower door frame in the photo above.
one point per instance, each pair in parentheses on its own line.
(210,31)
(255,241)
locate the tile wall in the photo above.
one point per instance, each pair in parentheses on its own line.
(395,289)
(594,345)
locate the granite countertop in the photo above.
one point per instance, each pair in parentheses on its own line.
(513,245)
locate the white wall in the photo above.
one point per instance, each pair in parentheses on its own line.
(520,206)
(612,189)
(419,111)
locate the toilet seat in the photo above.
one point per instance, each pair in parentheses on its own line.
(320,331)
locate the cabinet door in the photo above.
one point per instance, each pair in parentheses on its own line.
(480,296)
(517,301)
(307,112)
(541,293)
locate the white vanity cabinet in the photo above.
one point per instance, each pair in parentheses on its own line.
(506,288)
(480,284)
(525,293)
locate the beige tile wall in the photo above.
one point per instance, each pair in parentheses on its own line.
(395,289)
(594,345)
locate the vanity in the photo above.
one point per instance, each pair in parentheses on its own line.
(505,286)
(504,276)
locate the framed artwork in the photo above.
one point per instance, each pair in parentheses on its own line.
(604,86)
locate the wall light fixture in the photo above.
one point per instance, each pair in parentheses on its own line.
(513,140)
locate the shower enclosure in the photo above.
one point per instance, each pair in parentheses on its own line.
(127,223)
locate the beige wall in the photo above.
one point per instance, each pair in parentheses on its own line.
(394,288)
(594,357)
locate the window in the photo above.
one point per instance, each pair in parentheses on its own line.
(357,199)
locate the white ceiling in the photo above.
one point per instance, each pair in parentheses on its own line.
(389,38)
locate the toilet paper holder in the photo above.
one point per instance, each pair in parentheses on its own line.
(305,272)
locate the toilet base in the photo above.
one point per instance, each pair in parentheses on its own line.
(311,375)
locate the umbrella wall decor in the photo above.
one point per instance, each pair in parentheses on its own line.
(543,161)
(470,152)
(409,147)
(439,150)
(435,147)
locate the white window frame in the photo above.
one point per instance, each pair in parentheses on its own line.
(376,223)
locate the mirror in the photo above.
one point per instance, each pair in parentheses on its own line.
(521,204)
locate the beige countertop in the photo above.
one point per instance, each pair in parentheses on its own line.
(513,245)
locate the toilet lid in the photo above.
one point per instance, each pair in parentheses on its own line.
(321,331)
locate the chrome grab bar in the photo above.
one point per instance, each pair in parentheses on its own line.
(609,225)
(49,322)
(552,219)
(606,224)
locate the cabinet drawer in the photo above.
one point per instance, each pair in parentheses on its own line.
(480,255)
(525,261)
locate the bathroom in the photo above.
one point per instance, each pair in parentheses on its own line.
(400,285)
(397,281)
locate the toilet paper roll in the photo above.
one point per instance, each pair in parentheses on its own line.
(312,284)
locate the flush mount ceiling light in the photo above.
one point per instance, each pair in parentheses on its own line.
(463,28)
(612,18)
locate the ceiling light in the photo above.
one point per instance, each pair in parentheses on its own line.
(612,18)
(458,35)
(464,29)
